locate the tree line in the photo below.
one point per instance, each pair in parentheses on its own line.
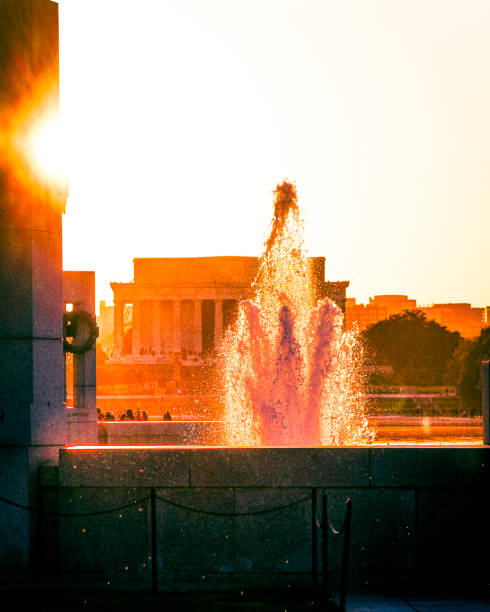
(424,353)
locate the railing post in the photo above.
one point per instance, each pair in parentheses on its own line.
(345,555)
(314,541)
(324,548)
(154,560)
(485,391)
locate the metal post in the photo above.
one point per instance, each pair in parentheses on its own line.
(485,391)
(324,548)
(314,540)
(154,560)
(345,556)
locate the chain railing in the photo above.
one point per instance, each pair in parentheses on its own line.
(324,525)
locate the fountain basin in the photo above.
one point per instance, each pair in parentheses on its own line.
(161,432)
(417,512)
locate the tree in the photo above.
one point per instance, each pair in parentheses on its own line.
(478,351)
(418,350)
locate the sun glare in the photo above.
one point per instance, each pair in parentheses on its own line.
(32,143)
(44,149)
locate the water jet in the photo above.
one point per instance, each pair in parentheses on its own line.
(291,373)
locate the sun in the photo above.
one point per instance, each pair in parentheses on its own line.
(44,148)
(33,148)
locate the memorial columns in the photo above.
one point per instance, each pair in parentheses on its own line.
(136,344)
(218,324)
(198,326)
(176,325)
(156,342)
(32,408)
(118,328)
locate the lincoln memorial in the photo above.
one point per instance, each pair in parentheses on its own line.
(181,307)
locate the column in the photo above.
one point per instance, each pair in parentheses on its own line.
(198,326)
(32,408)
(176,327)
(136,345)
(485,387)
(156,341)
(118,328)
(81,423)
(218,324)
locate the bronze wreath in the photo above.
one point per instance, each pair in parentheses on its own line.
(71,321)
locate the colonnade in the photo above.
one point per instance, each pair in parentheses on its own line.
(172,325)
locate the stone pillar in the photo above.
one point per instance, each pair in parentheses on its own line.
(136,344)
(82,423)
(198,326)
(176,327)
(218,324)
(32,410)
(156,341)
(118,328)
(485,387)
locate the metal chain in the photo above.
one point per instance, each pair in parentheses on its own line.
(249,513)
(77,514)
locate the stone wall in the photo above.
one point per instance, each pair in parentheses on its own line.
(419,514)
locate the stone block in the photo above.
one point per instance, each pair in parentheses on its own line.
(16,383)
(277,541)
(14,522)
(15,423)
(30,264)
(452,526)
(48,475)
(16,283)
(108,544)
(32,370)
(47,297)
(279,467)
(180,433)
(48,371)
(48,422)
(79,286)
(191,541)
(19,477)
(382,534)
(430,467)
(124,467)
(81,431)
(42,423)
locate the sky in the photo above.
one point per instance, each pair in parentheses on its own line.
(181,117)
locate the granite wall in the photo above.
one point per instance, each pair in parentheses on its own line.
(419,514)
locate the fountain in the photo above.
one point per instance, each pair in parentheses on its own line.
(290,372)
(290,380)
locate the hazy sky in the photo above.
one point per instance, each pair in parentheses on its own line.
(182,116)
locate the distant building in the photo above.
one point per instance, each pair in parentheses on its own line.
(380,307)
(460,317)
(465,319)
(105,320)
(182,306)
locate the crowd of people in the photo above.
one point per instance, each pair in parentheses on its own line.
(128,416)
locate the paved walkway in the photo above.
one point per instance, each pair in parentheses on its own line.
(382,603)
(42,598)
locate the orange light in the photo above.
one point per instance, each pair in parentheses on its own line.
(104,447)
(31,143)
(44,149)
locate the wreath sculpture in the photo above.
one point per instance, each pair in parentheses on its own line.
(71,324)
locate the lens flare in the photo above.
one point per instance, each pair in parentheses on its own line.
(44,149)
(32,152)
